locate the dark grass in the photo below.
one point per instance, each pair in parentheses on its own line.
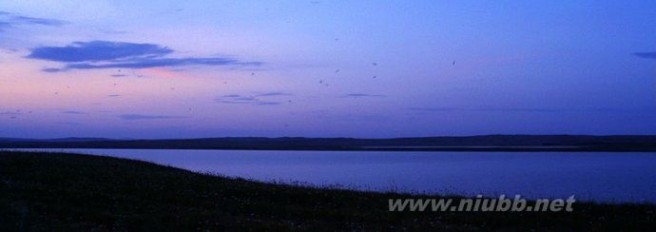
(68,192)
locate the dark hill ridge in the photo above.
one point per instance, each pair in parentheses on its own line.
(465,143)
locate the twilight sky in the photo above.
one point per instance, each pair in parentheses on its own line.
(166,69)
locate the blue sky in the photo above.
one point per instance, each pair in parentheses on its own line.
(162,69)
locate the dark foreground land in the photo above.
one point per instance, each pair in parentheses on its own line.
(67,192)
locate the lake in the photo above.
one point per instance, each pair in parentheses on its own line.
(598,176)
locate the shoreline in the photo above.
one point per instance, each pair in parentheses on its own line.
(483,143)
(365,149)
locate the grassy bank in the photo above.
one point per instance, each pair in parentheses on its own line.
(45,192)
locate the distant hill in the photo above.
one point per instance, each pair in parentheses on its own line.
(75,139)
(71,139)
(446,143)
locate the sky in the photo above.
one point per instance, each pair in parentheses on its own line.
(365,69)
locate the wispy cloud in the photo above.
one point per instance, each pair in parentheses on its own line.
(51,70)
(433,109)
(647,55)
(108,54)
(8,20)
(73,112)
(147,117)
(361,95)
(150,62)
(70,123)
(114,95)
(272,94)
(523,110)
(38,21)
(94,51)
(4,25)
(256,99)
(11,113)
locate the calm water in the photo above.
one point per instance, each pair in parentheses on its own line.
(599,176)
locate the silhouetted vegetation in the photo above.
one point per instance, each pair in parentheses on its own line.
(64,192)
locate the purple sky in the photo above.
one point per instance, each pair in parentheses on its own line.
(146,69)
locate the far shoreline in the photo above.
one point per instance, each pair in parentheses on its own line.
(482,143)
(369,149)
